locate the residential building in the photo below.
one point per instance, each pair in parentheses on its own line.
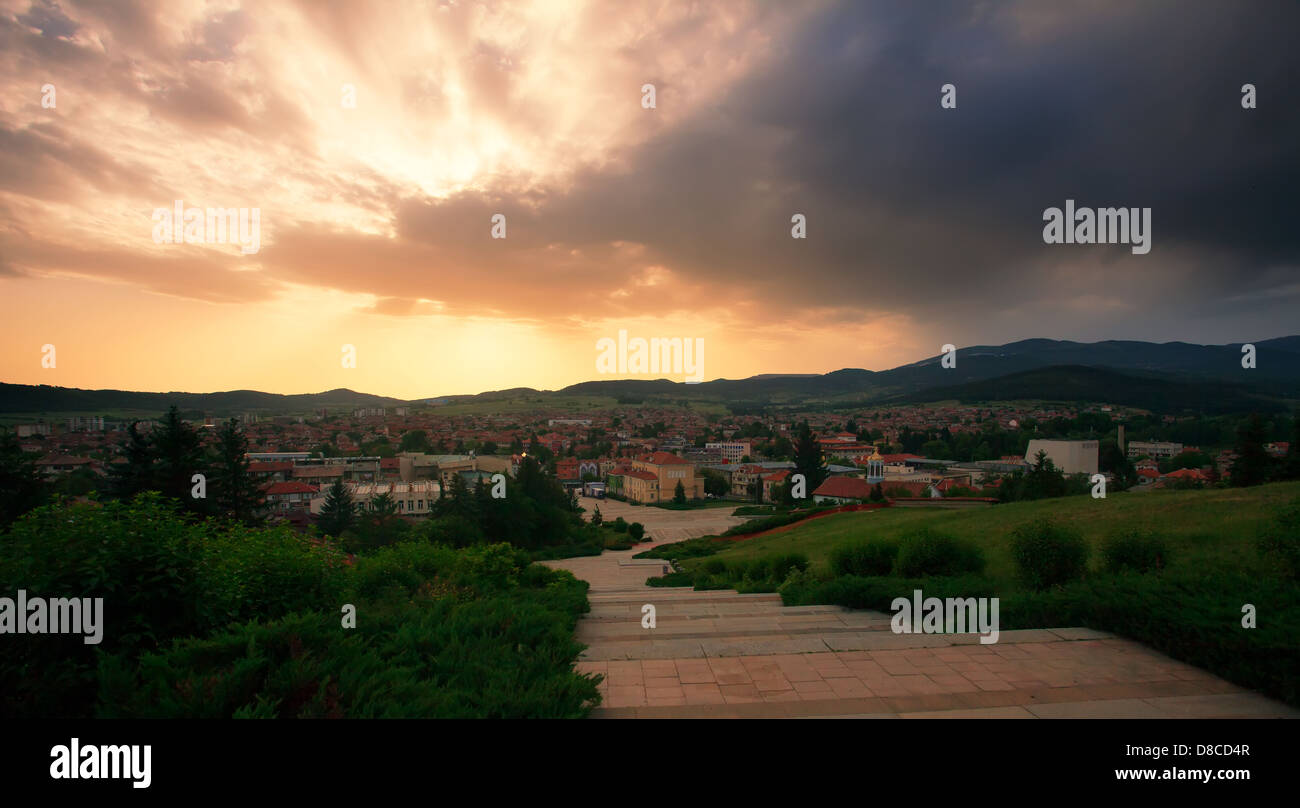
(731,451)
(842,490)
(1155,449)
(285,496)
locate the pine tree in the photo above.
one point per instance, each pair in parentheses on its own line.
(136,474)
(339,512)
(1291,466)
(1253,466)
(236,494)
(808,458)
(679,494)
(177,457)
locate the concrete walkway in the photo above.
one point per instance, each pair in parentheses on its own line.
(727,655)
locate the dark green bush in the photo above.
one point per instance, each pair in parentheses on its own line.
(1135,550)
(141,557)
(878,592)
(714,566)
(1280,541)
(1047,554)
(864,558)
(636,530)
(783,565)
(505,655)
(927,553)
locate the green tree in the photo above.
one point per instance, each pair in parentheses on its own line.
(338,513)
(596,517)
(808,458)
(1291,466)
(1253,465)
(135,473)
(177,456)
(236,494)
(679,494)
(21,486)
(415,440)
(383,505)
(715,483)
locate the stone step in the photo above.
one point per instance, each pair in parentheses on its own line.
(630,628)
(666,594)
(766,644)
(674,610)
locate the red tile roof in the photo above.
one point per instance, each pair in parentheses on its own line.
(666,459)
(899,458)
(62,460)
(848,487)
(292,487)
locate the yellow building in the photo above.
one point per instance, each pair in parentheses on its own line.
(661,472)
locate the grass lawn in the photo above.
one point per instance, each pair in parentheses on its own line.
(1203,528)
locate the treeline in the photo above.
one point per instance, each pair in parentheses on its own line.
(165,459)
(535,514)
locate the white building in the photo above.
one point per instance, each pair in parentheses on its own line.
(413,499)
(1070,456)
(731,451)
(1154,449)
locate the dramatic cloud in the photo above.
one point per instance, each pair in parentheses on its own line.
(924,224)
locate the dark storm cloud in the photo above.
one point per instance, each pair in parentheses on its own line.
(939,212)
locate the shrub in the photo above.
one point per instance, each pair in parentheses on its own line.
(506,655)
(636,530)
(1048,555)
(1136,550)
(714,566)
(619,524)
(783,565)
(865,558)
(926,553)
(1280,541)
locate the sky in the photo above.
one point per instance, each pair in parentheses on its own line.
(378,141)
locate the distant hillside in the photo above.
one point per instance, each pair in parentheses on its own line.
(29,398)
(1277,372)
(1171,375)
(1077,383)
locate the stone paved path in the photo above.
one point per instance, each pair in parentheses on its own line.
(727,655)
(664,525)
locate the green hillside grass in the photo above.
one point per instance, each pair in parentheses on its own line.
(1191,609)
(1203,528)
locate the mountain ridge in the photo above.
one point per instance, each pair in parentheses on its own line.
(1276,376)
